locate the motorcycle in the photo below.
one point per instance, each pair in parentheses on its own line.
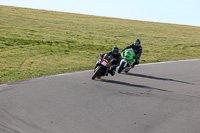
(103,66)
(127,60)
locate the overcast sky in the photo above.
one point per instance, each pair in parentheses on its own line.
(185,12)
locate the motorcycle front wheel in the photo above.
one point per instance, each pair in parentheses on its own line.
(121,67)
(96,72)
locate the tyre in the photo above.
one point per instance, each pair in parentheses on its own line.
(121,67)
(97,71)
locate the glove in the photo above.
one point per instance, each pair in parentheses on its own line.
(100,55)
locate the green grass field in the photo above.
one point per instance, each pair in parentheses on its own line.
(35,43)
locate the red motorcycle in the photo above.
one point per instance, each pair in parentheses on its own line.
(103,66)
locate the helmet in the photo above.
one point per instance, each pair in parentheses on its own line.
(115,51)
(137,42)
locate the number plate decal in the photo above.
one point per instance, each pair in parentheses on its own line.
(104,63)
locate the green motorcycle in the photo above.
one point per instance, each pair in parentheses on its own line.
(127,60)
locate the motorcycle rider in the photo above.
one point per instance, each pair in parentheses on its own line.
(137,48)
(115,53)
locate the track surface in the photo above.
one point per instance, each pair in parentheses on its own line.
(154,98)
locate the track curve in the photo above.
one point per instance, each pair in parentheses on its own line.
(153,98)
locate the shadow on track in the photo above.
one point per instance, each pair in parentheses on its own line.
(157,78)
(132,85)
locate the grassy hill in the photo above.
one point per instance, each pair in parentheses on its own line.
(36,43)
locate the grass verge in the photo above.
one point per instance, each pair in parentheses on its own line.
(35,43)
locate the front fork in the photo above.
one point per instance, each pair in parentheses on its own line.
(126,62)
(98,62)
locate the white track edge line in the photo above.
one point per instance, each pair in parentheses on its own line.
(64,74)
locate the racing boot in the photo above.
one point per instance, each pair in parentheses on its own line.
(112,71)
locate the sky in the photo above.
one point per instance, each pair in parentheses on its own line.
(185,12)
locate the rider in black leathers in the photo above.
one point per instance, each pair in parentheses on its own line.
(137,48)
(115,53)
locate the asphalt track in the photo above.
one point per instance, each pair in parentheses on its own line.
(152,98)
